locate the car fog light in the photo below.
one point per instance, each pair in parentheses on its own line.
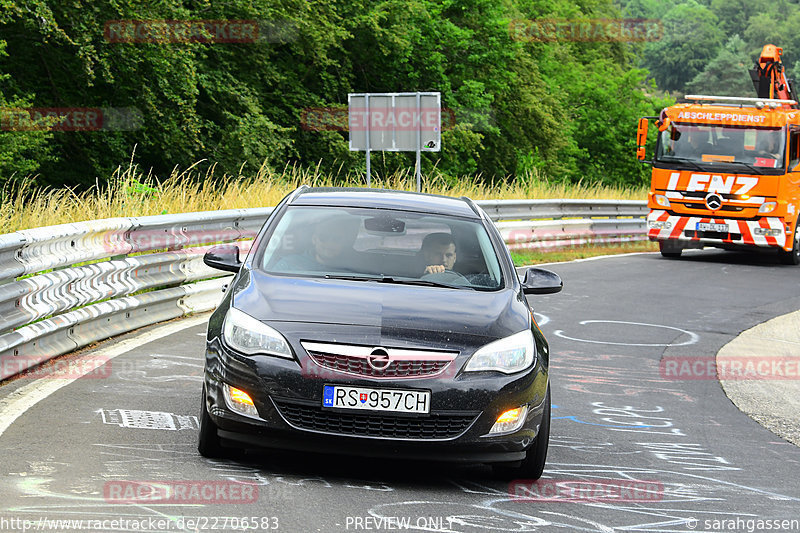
(509,421)
(239,401)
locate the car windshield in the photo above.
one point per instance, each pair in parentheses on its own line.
(705,146)
(382,245)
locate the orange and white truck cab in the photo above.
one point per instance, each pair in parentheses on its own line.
(726,173)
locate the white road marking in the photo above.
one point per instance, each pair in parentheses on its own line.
(693,337)
(22,399)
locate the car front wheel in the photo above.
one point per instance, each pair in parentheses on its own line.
(208,443)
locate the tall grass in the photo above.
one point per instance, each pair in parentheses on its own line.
(132,192)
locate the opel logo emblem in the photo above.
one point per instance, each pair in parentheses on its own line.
(713,201)
(379,359)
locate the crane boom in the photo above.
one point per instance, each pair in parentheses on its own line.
(769,76)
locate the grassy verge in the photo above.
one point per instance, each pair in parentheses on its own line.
(132,192)
(533,257)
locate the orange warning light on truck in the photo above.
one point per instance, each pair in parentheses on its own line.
(726,170)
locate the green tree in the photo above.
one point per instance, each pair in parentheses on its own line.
(691,40)
(24,146)
(727,74)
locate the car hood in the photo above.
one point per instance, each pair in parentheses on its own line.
(382,305)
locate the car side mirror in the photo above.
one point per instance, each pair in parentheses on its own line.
(223,257)
(541,281)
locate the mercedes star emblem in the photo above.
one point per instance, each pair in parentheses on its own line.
(713,201)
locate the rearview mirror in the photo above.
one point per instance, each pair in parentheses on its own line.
(385,226)
(223,257)
(541,281)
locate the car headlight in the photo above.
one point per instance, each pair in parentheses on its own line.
(249,336)
(508,355)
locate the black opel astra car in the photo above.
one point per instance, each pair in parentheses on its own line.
(379,323)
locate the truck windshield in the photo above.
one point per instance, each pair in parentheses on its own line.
(704,145)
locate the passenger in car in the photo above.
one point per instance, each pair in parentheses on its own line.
(331,246)
(439,252)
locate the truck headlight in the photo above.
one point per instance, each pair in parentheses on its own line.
(661,200)
(509,355)
(249,336)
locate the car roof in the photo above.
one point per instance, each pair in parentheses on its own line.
(384,199)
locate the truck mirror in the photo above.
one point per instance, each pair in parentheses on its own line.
(641,139)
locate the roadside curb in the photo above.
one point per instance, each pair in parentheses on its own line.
(773,403)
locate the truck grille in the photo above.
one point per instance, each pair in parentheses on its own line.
(313,418)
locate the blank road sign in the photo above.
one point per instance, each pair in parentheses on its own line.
(395,122)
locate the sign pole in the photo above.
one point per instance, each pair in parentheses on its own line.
(369,175)
(419,141)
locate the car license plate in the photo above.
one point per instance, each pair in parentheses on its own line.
(719,228)
(399,401)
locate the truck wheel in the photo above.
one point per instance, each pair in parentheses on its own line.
(670,249)
(793,257)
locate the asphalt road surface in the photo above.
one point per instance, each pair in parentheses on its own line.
(661,453)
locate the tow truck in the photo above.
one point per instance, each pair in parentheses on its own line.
(726,170)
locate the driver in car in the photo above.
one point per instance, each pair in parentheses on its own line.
(439,251)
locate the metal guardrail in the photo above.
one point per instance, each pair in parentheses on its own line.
(65,287)
(549,224)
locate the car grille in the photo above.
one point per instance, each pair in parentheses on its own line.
(402,363)
(314,418)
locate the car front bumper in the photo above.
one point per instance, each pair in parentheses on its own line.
(288,399)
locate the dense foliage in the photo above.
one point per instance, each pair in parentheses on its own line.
(709,45)
(564,109)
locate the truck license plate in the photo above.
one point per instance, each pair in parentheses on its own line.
(719,228)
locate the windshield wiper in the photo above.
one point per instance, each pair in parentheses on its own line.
(350,277)
(670,159)
(397,281)
(755,169)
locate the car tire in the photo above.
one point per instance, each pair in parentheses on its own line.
(669,250)
(208,442)
(532,466)
(793,257)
